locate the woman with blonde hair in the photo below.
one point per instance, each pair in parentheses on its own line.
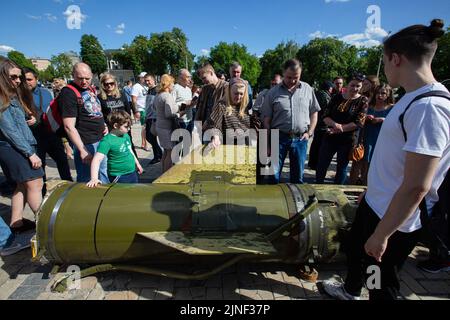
(166,112)
(18,146)
(112,100)
(230,117)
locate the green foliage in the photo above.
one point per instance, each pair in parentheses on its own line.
(441,65)
(164,52)
(169,52)
(92,53)
(325,59)
(224,54)
(272,62)
(48,74)
(20,59)
(61,66)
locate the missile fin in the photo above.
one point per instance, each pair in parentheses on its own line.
(214,244)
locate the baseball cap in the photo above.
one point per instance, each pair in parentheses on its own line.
(142,74)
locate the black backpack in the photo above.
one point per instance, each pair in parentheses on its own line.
(436,227)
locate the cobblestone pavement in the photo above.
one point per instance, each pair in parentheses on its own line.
(20,279)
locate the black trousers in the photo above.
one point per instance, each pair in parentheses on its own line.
(399,247)
(157,152)
(315,149)
(51,144)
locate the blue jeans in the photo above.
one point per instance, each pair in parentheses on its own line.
(297,149)
(327,150)
(126,178)
(84,170)
(6,237)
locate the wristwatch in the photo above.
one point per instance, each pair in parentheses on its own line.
(310,134)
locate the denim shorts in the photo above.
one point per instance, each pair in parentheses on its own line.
(126,178)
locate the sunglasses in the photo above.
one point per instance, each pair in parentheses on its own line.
(109,84)
(14,77)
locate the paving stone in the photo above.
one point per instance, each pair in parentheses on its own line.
(214,293)
(230,281)
(36,279)
(296,291)
(97,293)
(26,293)
(231,294)
(435,287)
(80,294)
(413,284)
(406,292)
(89,283)
(434,297)
(198,293)
(214,282)
(248,294)
(182,294)
(413,271)
(144,281)
(121,281)
(311,289)
(266,293)
(10,286)
(121,295)
(147,294)
(291,279)
(276,276)
(280,290)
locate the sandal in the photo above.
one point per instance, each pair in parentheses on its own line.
(26,226)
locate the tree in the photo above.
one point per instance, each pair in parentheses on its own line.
(325,59)
(441,66)
(136,55)
(92,54)
(62,66)
(48,74)
(272,61)
(224,54)
(169,52)
(20,59)
(371,61)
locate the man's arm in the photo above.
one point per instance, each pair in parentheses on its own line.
(405,201)
(313,118)
(74,136)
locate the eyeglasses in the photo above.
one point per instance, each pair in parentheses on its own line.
(14,77)
(109,84)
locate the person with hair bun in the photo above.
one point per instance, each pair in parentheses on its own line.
(410,162)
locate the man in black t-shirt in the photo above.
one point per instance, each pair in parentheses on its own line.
(84,123)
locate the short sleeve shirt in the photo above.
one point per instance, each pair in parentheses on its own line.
(90,123)
(290,111)
(120,157)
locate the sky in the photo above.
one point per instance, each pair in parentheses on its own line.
(42,28)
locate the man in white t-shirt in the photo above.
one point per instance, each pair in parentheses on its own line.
(403,172)
(138,97)
(182,94)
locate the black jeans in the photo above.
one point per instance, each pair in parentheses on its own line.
(51,144)
(399,247)
(328,149)
(157,152)
(315,149)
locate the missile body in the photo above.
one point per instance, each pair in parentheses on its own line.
(208,218)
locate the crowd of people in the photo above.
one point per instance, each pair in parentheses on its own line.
(337,118)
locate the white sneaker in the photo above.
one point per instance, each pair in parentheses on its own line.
(337,290)
(21,241)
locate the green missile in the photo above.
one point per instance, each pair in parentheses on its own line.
(176,223)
